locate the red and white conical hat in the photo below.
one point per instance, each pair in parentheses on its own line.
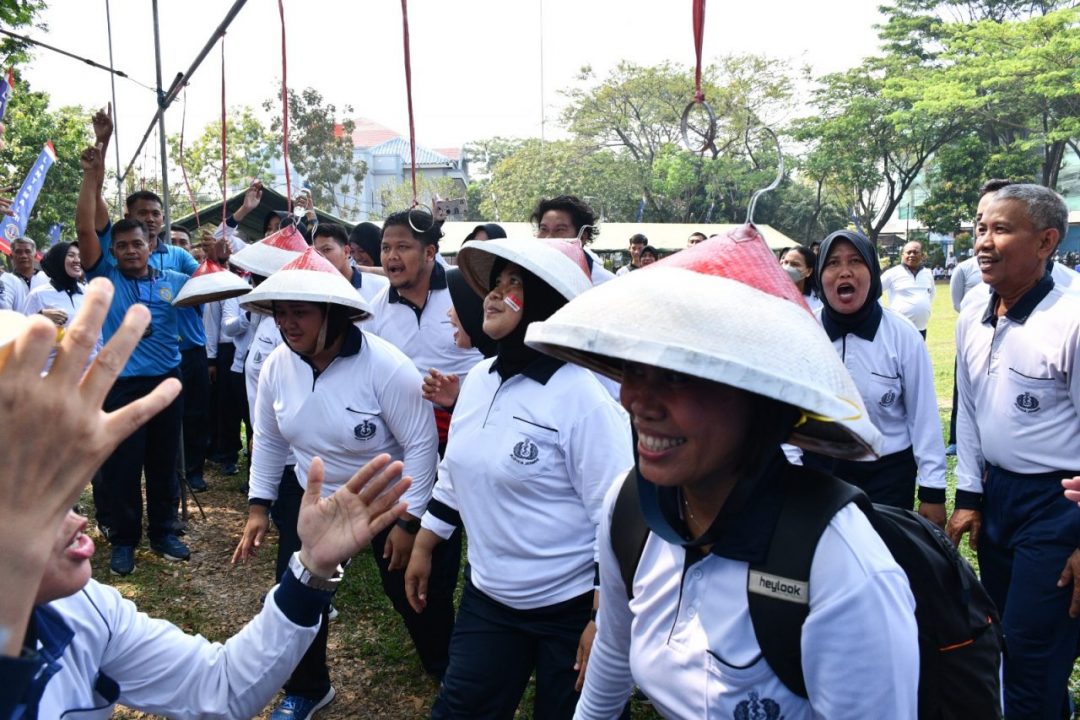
(559,263)
(271,253)
(308,278)
(208,283)
(725,311)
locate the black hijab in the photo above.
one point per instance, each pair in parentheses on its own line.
(470,311)
(492,230)
(864,321)
(541,302)
(53,265)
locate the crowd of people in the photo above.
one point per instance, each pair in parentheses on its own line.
(392,400)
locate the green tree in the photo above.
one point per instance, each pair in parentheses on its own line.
(15,14)
(637,111)
(607,180)
(321,149)
(30,124)
(399,196)
(483,155)
(250,148)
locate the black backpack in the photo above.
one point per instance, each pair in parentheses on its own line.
(960,642)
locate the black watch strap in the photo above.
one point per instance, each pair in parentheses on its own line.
(410,526)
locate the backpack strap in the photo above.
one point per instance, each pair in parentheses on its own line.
(628,530)
(778,589)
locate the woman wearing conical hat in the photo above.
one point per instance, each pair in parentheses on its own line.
(335,392)
(720,363)
(534,443)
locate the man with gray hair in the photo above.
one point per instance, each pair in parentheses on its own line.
(1018,373)
(16,285)
(910,287)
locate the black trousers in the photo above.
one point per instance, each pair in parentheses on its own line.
(150,450)
(952,413)
(196,381)
(430,630)
(226,421)
(495,649)
(889,480)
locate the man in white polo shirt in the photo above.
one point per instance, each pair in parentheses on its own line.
(910,287)
(1018,372)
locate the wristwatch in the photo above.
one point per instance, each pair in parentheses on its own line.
(306,577)
(410,526)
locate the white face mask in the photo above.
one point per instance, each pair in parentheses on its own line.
(794,273)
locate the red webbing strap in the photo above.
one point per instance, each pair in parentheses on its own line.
(699,39)
(408,95)
(224,157)
(285,110)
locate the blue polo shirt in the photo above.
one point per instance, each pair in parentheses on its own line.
(190,331)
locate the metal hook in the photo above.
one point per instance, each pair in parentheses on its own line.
(421,207)
(708,136)
(771,186)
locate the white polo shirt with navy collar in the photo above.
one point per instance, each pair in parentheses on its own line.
(527,465)
(896,381)
(910,294)
(1018,381)
(366,402)
(424,334)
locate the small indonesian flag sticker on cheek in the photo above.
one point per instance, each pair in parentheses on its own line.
(512,302)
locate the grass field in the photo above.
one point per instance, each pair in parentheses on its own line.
(373,665)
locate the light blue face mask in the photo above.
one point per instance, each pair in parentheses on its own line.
(794,273)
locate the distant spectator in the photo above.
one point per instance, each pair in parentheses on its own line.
(649,255)
(695,238)
(487,231)
(637,243)
(567,216)
(365,241)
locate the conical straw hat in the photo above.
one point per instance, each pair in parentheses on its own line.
(308,278)
(271,253)
(208,283)
(559,263)
(725,311)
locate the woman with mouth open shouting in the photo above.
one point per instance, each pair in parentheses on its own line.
(720,363)
(890,364)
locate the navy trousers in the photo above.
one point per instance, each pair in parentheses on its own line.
(430,630)
(196,381)
(495,649)
(889,480)
(152,450)
(1028,532)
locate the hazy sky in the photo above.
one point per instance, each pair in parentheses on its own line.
(476,64)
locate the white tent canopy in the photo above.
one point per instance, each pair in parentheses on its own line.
(616,236)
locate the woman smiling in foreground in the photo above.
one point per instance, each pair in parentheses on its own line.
(720,364)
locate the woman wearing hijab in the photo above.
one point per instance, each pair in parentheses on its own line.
(710,404)
(62,296)
(487,231)
(890,364)
(534,444)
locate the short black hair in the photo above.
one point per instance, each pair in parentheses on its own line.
(993,185)
(122,226)
(579,211)
(142,195)
(331,230)
(413,219)
(638,238)
(181,228)
(651,251)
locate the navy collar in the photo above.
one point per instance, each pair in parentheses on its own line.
(436,282)
(357,278)
(47,626)
(744,526)
(541,369)
(1022,308)
(354,340)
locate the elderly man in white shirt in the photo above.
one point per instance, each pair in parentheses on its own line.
(910,287)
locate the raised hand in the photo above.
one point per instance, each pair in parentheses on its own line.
(442,390)
(92,160)
(103,124)
(334,528)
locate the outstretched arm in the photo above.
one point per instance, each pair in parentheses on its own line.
(92,161)
(103,130)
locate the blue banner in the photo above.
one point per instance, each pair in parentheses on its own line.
(54,233)
(5,94)
(641,209)
(14,226)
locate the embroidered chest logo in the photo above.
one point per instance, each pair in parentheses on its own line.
(525,452)
(165,293)
(757,708)
(887,399)
(1027,402)
(365,430)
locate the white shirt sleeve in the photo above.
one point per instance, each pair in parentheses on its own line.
(598,448)
(411,421)
(608,682)
(920,401)
(234,321)
(271,451)
(163,670)
(969,457)
(212,326)
(958,287)
(444,493)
